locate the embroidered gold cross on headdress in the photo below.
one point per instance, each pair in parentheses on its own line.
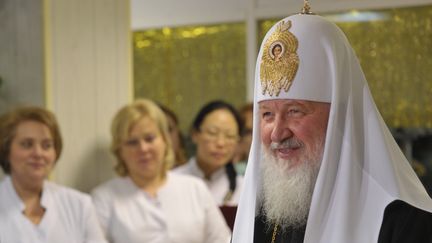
(279,62)
(306,8)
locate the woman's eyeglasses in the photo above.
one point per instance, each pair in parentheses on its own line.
(215,134)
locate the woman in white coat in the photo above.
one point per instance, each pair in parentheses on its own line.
(33,209)
(147,203)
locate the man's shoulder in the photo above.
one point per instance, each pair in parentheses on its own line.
(400,209)
(405,223)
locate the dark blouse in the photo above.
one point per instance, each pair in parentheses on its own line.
(402,223)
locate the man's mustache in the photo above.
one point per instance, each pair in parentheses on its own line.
(289,143)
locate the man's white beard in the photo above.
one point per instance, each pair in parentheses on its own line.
(287,192)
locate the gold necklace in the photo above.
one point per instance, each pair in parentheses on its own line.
(274,233)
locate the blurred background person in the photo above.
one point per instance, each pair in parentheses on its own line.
(32,209)
(216,131)
(177,138)
(242,151)
(147,203)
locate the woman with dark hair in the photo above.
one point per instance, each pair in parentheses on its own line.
(242,152)
(216,132)
(176,136)
(33,209)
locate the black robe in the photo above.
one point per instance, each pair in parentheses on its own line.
(402,223)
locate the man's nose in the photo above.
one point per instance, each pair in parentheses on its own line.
(281,131)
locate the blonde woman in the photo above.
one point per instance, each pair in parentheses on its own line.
(147,203)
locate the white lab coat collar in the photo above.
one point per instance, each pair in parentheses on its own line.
(195,170)
(15,202)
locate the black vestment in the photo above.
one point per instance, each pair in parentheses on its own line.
(402,223)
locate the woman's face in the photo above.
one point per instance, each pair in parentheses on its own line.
(144,149)
(217,139)
(32,153)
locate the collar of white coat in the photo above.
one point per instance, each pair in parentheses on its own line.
(14,201)
(363,169)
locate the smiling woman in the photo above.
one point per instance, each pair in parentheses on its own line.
(30,144)
(147,203)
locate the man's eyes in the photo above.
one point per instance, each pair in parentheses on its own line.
(294,111)
(288,112)
(266,115)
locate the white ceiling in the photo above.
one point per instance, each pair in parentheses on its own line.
(147,14)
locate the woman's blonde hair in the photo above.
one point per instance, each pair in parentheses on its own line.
(123,122)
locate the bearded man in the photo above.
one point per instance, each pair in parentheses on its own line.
(323,166)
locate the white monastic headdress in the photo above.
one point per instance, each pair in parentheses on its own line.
(363,169)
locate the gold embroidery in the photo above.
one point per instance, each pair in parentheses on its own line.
(279,62)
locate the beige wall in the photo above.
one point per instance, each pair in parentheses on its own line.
(21,53)
(88,63)
(73,57)
(156,14)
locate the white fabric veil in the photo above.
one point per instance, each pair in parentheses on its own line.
(363,169)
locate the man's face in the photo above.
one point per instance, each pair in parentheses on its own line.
(292,128)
